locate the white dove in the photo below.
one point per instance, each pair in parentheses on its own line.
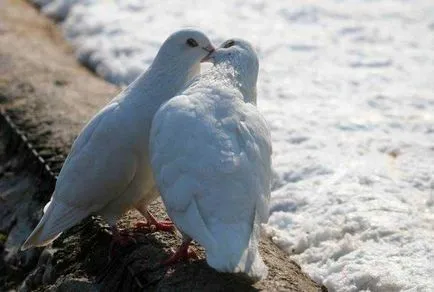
(108,171)
(210,151)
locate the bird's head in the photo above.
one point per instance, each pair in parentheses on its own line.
(186,45)
(238,56)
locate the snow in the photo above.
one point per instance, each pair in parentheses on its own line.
(347,88)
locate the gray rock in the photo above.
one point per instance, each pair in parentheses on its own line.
(74,285)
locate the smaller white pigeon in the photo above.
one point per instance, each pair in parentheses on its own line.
(108,171)
(210,150)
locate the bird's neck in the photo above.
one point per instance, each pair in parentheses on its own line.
(227,75)
(161,81)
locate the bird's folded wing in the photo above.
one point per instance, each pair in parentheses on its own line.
(254,131)
(98,168)
(214,159)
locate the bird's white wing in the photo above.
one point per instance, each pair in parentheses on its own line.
(99,168)
(211,160)
(96,171)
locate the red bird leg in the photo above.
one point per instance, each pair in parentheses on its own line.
(182,253)
(119,238)
(154,225)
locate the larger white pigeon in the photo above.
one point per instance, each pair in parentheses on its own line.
(108,170)
(210,150)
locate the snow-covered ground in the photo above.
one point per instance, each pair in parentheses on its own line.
(347,87)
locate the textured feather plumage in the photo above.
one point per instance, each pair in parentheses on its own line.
(108,170)
(211,156)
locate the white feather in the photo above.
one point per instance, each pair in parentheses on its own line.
(210,151)
(50,227)
(108,170)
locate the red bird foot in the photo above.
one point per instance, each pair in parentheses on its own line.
(183,253)
(152,224)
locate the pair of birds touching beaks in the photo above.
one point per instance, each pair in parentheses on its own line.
(196,139)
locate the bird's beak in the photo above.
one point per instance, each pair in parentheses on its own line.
(210,49)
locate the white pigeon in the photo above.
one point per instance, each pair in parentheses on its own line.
(210,151)
(108,171)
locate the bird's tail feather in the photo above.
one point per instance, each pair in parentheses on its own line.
(57,217)
(251,262)
(237,255)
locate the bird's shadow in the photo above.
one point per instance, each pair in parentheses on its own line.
(137,267)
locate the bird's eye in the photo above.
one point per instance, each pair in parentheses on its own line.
(229,44)
(192,42)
